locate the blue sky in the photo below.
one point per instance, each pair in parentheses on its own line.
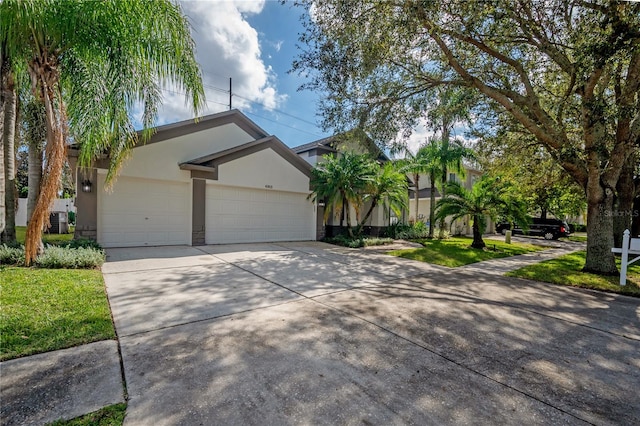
(254,43)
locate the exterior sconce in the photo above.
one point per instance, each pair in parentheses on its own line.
(86,185)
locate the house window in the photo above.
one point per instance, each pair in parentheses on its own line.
(453,177)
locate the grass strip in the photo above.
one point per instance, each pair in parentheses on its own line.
(21,232)
(454,252)
(112,415)
(567,270)
(49,309)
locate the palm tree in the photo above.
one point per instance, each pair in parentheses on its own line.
(450,155)
(9,101)
(387,188)
(434,169)
(34,131)
(90,63)
(489,197)
(340,181)
(416,164)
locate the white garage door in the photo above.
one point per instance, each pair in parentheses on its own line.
(140,212)
(240,215)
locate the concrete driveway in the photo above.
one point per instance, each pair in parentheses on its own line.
(307,333)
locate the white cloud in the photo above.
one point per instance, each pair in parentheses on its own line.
(226,46)
(419,136)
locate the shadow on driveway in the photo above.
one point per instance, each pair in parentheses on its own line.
(309,333)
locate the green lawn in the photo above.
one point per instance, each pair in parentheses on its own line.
(566,270)
(48,309)
(21,231)
(112,415)
(455,252)
(575,239)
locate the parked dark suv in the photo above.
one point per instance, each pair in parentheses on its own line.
(550,229)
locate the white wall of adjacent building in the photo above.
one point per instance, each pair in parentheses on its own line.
(59,205)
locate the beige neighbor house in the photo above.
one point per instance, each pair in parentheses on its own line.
(462,226)
(216,181)
(313,152)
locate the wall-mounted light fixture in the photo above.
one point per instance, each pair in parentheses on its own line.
(86,185)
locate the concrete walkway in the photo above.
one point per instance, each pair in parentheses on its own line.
(62,384)
(316,334)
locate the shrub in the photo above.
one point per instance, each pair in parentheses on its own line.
(401,231)
(11,255)
(71,258)
(575,227)
(345,241)
(82,243)
(72,218)
(357,242)
(377,241)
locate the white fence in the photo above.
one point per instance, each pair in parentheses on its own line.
(59,205)
(630,246)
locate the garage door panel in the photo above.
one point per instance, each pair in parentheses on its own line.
(141,212)
(236,215)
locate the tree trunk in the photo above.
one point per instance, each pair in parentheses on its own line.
(3,218)
(35,176)
(623,204)
(432,205)
(635,220)
(374,203)
(478,242)
(416,195)
(600,260)
(348,210)
(8,146)
(55,152)
(443,221)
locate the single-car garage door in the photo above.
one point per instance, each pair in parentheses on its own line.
(242,215)
(143,212)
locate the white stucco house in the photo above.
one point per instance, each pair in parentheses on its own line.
(216,181)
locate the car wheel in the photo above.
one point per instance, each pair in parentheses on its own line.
(504,231)
(549,235)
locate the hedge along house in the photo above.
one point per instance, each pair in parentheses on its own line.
(216,181)
(360,143)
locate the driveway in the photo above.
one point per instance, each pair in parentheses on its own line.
(307,333)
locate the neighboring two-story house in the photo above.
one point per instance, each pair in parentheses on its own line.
(471,175)
(347,142)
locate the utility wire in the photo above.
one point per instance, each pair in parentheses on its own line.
(275,109)
(221,90)
(256,115)
(206,100)
(284,125)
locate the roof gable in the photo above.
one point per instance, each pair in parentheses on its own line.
(234,116)
(209,164)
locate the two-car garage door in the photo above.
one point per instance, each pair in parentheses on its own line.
(242,215)
(143,212)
